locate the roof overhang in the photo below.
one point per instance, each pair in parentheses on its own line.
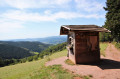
(89,28)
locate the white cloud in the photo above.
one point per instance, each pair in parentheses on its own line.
(21,4)
(7,26)
(14,14)
(71,15)
(14,19)
(82,5)
(2,2)
(48,16)
(47,12)
(89,5)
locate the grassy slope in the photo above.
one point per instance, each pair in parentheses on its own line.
(24,70)
(31,70)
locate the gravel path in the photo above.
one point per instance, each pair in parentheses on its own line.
(108,68)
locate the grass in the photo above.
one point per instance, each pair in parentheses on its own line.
(103,47)
(86,77)
(117,45)
(37,70)
(36,53)
(24,70)
(69,62)
(52,72)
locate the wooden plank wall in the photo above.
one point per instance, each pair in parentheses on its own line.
(87,47)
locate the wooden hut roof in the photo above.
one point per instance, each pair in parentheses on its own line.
(65,28)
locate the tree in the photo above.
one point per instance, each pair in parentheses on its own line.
(113,18)
(30,58)
(104,37)
(1,62)
(35,57)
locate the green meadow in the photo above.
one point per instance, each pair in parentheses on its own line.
(37,70)
(29,70)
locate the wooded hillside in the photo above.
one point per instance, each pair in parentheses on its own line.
(9,52)
(31,46)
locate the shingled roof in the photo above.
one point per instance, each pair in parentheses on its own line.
(65,28)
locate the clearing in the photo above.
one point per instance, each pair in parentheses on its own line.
(108,68)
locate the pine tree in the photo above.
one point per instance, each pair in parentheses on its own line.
(113,18)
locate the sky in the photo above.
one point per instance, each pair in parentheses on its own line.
(20,19)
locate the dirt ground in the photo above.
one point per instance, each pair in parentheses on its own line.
(108,68)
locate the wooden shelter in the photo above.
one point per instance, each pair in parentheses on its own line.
(83,42)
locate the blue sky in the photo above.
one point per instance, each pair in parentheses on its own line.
(42,18)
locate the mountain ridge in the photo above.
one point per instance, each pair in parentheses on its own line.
(46,40)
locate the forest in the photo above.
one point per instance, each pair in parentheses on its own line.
(48,51)
(9,52)
(112,21)
(30,45)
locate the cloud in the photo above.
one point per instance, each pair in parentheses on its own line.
(12,19)
(89,5)
(47,16)
(72,15)
(22,4)
(82,5)
(47,12)
(8,25)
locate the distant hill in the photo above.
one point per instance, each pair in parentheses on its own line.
(12,54)
(17,48)
(47,40)
(31,46)
(53,39)
(9,52)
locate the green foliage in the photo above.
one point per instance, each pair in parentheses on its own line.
(105,37)
(36,53)
(31,46)
(113,18)
(23,60)
(45,53)
(1,62)
(117,45)
(35,57)
(52,49)
(30,58)
(48,58)
(19,52)
(9,52)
